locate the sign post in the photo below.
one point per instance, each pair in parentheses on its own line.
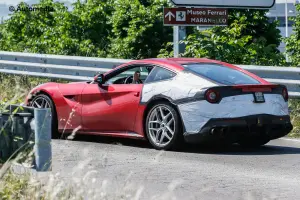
(179,35)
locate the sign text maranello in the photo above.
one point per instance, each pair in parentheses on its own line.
(195,16)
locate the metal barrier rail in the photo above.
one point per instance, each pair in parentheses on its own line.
(25,128)
(76,68)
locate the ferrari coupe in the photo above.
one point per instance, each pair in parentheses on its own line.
(170,102)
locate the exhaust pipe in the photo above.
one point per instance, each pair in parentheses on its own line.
(219,131)
(213,131)
(223,130)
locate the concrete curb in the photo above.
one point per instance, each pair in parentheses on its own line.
(22,169)
(25,169)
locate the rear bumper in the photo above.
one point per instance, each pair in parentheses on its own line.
(233,129)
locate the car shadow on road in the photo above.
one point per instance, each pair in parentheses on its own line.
(212,149)
(238,150)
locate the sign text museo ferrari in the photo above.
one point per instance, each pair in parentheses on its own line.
(195,16)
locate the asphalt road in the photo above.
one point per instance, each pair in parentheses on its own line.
(101,166)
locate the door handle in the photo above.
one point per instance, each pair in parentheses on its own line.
(137,94)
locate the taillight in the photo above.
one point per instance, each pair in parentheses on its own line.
(212,96)
(285,94)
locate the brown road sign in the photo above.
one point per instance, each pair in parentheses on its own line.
(195,16)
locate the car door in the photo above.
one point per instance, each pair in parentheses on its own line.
(111,107)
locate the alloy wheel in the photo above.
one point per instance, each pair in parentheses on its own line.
(40,102)
(161,126)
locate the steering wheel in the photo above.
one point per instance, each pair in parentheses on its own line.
(127,80)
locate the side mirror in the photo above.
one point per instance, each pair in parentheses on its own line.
(99,79)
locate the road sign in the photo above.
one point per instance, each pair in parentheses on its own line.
(195,16)
(263,4)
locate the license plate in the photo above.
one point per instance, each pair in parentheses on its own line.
(259,97)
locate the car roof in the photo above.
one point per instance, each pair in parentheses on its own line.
(174,63)
(205,60)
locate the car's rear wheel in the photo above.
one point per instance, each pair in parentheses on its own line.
(253,142)
(163,127)
(43,101)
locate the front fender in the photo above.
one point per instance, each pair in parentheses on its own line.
(68,109)
(49,88)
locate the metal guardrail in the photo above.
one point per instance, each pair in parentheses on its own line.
(26,129)
(76,68)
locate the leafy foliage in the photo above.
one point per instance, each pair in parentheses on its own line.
(121,28)
(249,39)
(134,29)
(256,24)
(80,32)
(293,42)
(138,30)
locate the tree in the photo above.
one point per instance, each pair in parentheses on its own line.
(248,39)
(91,26)
(134,29)
(113,28)
(138,30)
(257,25)
(31,31)
(82,32)
(293,42)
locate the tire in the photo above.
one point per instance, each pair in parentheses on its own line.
(253,143)
(54,124)
(175,141)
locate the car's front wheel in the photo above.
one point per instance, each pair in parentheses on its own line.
(163,127)
(43,101)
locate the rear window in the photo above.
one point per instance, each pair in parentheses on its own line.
(221,74)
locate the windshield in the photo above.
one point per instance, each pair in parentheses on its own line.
(221,74)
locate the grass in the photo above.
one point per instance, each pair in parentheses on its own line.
(14,88)
(295,118)
(26,187)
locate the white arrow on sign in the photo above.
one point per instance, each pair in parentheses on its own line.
(170,15)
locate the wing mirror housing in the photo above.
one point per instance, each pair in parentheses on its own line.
(99,78)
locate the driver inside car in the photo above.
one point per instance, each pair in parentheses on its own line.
(136,78)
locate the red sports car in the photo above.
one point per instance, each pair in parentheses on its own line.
(170,101)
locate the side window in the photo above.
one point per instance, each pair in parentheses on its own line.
(159,74)
(221,74)
(120,77)
(126,76)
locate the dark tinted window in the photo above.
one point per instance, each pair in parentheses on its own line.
(159,74)
(221,74)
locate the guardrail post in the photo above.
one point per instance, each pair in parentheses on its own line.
(43,151)
(5,139)
(16,134)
